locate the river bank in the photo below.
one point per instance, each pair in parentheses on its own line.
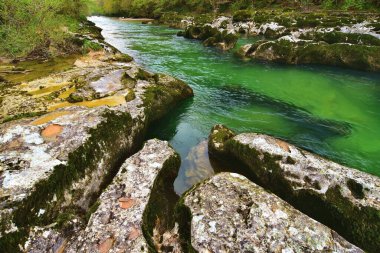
(334,39)
(64,136)
(87,134)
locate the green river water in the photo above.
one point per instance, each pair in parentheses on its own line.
(330,111)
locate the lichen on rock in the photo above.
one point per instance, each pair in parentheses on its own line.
(289,51)
(228,213)
(345,199)
(117,224)
(57,155)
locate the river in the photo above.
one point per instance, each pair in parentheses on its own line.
(330,111)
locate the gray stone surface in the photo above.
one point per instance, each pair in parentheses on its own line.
(232,214)
(346,199)
(117,224)
(118,221)
(59,160)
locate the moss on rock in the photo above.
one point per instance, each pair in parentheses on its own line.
(360,57)
(340,197)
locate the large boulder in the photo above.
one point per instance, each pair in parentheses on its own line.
(58,162)
(290,51)
(211,36)
(345,199)
(126,214)
(228,213)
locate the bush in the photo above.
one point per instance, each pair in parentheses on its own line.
(29,26)
(242,15)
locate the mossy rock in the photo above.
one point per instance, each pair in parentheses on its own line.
(276,164)
(339,37)
(130,96)
(75,98)
(210,42)
(123,58)
(340,54)
(208,32)
(273,34)
(193,32)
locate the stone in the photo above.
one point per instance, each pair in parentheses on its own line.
(344,198)
(135,181)
(289,51)
(56,155)
(228,213)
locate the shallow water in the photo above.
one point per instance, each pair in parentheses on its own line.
(330,111)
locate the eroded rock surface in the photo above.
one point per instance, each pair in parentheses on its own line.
(346,199)
(290,51)
(90,120)
(231,214)
(295,38)
(117,224)
(118,221)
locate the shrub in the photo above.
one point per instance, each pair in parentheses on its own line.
(242,15)
(29,26)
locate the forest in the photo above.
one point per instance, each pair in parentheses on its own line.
(153,8)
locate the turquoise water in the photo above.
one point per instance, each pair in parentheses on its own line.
(330,111)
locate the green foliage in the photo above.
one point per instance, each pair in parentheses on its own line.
(354,4)
(28,26)
(155,8)
(89,45)
(242,15)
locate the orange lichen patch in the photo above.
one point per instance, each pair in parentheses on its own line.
(134,234)
(283,145)
(106,245)
(51,131)
(67,93)
(108,101)
(48,90)
(126,203)
(49,117)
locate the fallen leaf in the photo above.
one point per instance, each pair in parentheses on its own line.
(106,245)
(134,234)
(126,203)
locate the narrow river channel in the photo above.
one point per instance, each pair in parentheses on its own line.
(330,111)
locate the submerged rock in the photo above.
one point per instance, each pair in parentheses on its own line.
(53,165)
(228,213)
(346,199)
(289,51)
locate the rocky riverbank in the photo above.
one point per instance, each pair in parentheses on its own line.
(345,199)
(335,39)
(64,136)
(74,176)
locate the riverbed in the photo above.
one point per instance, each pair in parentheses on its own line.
(330,111)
